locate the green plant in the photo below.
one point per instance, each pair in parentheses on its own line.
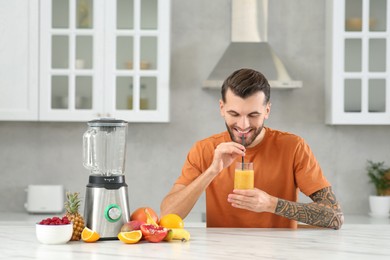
(380,177)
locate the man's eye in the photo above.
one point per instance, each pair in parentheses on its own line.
(233,114)
(254,115)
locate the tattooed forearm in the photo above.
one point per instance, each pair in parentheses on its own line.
(323,212)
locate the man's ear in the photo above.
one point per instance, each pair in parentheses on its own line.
(221,105)
(267,110)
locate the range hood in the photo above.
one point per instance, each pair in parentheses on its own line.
(249,47)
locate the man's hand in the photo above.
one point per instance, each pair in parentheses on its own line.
(254,200)
(225,154)
(181,199)
(324,211)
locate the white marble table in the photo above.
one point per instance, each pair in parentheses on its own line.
(353,241)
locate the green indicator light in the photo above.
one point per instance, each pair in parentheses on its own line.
(113,213)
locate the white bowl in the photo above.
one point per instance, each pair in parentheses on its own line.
(54,234)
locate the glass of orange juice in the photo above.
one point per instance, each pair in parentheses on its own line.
(244,176)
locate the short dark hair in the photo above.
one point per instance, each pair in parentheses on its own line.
(245,82)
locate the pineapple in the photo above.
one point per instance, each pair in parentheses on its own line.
(72,205)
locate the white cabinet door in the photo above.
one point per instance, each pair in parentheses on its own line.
(19,60)
(137,60)
(358,59)
(71,60)
(105,59)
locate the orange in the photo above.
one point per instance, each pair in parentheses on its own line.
(171,221)
(89,235)
(131,237)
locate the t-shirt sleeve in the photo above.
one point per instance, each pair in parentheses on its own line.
(308,173)
(192,166)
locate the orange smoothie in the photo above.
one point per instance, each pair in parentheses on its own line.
(243,179)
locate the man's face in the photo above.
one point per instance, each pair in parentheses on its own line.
(244,117)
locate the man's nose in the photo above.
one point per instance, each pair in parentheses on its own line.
(243,122)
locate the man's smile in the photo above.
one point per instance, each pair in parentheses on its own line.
(242,132)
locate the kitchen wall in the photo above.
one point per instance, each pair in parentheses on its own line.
(51,152)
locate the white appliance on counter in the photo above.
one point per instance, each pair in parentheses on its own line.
(45,199)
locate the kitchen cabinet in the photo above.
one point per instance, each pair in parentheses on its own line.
(104,59)
(358,78)
(19,60)
(92,58)
(96,59)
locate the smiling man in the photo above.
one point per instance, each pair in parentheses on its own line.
(283,166)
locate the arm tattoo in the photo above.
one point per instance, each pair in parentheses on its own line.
(324,211)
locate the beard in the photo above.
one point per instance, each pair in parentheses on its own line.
(248,139)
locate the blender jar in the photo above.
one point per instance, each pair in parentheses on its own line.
(104,146)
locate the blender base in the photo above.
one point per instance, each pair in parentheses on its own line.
(106,206)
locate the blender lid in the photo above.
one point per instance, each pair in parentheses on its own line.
(107,122)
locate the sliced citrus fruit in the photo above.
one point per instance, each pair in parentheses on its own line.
(171,221)
(149,219)
(89,236)
(131,237)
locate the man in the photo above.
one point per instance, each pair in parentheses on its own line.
(283,165)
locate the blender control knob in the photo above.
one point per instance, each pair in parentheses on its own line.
(113,213)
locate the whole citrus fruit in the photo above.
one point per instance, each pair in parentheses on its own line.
(171,221)
(140,215)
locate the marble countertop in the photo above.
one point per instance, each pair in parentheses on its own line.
(352,241)
(25,218)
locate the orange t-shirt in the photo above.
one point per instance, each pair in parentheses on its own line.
(283,164)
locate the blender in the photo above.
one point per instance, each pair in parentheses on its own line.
(106,199)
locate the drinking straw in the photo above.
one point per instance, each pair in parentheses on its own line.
(242,159)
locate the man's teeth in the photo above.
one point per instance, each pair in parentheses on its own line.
(243,132)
